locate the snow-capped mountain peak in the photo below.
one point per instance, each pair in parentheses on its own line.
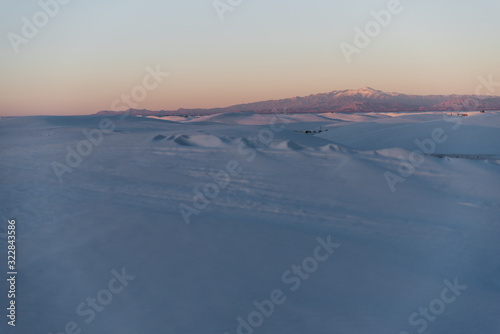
(366,92)
(365,99)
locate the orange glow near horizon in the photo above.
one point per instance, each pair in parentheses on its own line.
(72,68)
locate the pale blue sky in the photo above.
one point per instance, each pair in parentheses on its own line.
(93,51)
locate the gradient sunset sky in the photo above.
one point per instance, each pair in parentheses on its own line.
(93,51)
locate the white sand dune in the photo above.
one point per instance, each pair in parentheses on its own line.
(120,208)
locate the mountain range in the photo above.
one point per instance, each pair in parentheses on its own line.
(358,100)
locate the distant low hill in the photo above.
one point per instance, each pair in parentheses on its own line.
(360,100)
